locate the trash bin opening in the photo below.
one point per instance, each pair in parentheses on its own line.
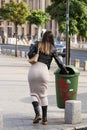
(70,70)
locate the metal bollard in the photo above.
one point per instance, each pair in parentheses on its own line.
(3,51)
(85,65)
(13,52)
(1,120)
(8,52)
(22,54)
(77,63)
(0,50)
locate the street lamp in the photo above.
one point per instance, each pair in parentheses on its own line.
(67,34)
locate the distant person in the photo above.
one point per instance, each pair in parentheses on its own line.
(14,35)
(38,76)
(42,32)
(3,38)
(0,39)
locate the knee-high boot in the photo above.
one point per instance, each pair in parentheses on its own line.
(44,115)
(37,112)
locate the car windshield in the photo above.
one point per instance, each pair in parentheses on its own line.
(59,45)
(56,41)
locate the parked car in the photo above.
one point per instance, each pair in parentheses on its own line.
(61,49)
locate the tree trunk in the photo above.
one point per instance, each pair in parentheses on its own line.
(39,32)
(16,46)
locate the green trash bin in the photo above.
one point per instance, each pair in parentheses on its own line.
(66,85)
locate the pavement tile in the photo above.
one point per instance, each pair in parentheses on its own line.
(15,100)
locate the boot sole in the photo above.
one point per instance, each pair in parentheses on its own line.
(37,119)
(45,123)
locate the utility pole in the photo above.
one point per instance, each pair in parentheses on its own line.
(67,34)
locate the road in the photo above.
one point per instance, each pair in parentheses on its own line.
(78,54)
(74,54)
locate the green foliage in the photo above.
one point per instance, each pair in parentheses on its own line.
(58,1)
(38,17)
(62,27)
(15,12)
(77,15)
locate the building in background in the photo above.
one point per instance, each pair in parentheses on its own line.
(7,28)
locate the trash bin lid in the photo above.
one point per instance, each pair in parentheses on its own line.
(72,70)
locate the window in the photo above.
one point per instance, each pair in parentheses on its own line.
(31,4)
(25,1)
(9,23)
(11,0)
(2,2)
(9,30)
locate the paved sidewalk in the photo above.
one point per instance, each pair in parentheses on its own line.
(15,100)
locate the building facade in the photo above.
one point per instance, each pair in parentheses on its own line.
(7,28)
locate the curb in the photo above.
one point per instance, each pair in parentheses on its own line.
(23,54)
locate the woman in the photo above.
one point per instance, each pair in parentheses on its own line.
(38,76)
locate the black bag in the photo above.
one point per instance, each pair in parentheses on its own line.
(33,54)
(33,50)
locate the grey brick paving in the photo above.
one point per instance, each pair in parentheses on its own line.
(15,98)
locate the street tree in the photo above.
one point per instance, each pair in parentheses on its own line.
(17,13)
(77,16)
(39,18)
(77,19)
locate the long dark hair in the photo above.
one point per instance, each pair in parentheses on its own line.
(47,41)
